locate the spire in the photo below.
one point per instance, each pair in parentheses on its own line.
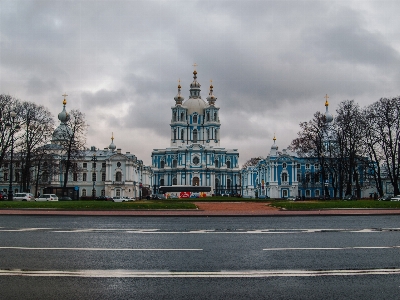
(64,116)
(178,98)
(195,86)
(211,98)
(274,146)
(328,116)
(112,147)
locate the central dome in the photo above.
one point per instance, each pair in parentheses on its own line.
(195,105)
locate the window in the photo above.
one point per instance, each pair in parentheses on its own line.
(307,166)
(284,165)
(316,177)
(85,165)
(316,193)
(174,163)
(118,164)
(94,176)
(45,176)
(228,183)
(298,166)
(93,165)
(174,181)
(75,177)
(118,193)
(284,193)
(118,176)
(103,176)
(284,177)
(174,116)
(298,177)
(208,116)
(228,164)
(103,192)
(84,192)
(162,181)
(216,134)
(84,177)
(308,193)
(196,160)
(216,163)
(162,164)
(182,116)
(174,134)
(308,177)
(182,134)
(103,165)
(5,176)
(195,119)
(316,166)
(196,181)
(215,116)
(195,136)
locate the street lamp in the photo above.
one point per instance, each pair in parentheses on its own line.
(13,128)
(94,159)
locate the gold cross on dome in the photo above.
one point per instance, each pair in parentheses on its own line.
(195,65)
(326,97)
(65,95)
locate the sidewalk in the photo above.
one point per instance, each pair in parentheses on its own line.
(206,209)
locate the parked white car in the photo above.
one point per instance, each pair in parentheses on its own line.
(23,197)
(47,197)
(118,199)
(396,198)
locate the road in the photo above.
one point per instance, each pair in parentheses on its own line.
(308,257)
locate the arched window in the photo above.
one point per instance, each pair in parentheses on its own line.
(298,177)
(118,176)
(174,181)
(208,134)
(216,134)
(174,116)
(228,183)
(182,116)
(162,164)
(215,116)
(84,177)
(195,136)
(216,163)
(196,181)
(228,164)
(284,177)
(208,116)
(284,165)
(83,192)
(182,134)
(174,163)
(162,181)
(174,134)
(195,119)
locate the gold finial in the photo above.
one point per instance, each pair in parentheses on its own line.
(112,137)
(179,83)
(65,100)
(274,138)
(194,66)
(326,100)
(211,86)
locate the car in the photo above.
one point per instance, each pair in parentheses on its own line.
(128,199)
(384,198)
(395,198)
(3,195)
(118,199)
(349,197)
(23,197)
(173,196)
(47,197)
(104,198)
(291,198)
(64,198)
(158,197)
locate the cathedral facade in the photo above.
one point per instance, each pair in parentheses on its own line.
(195,157)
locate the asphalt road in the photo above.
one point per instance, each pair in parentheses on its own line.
(309,257)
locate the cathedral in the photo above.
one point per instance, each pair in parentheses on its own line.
(195,157)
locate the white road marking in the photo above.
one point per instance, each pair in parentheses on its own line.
(208,231)
(220,274)
(330,248)
(98,249)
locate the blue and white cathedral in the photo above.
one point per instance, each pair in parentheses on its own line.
(195,157)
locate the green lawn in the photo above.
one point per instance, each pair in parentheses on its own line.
(310,205)
(98,205)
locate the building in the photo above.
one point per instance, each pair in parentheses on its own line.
(195,157)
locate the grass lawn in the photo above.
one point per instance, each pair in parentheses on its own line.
(97,205)
(310,205)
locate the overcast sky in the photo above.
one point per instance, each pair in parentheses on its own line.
(271,62)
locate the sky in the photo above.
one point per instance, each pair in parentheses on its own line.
(271,63)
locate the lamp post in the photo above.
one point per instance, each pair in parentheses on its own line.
(13,128)
(94,159)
